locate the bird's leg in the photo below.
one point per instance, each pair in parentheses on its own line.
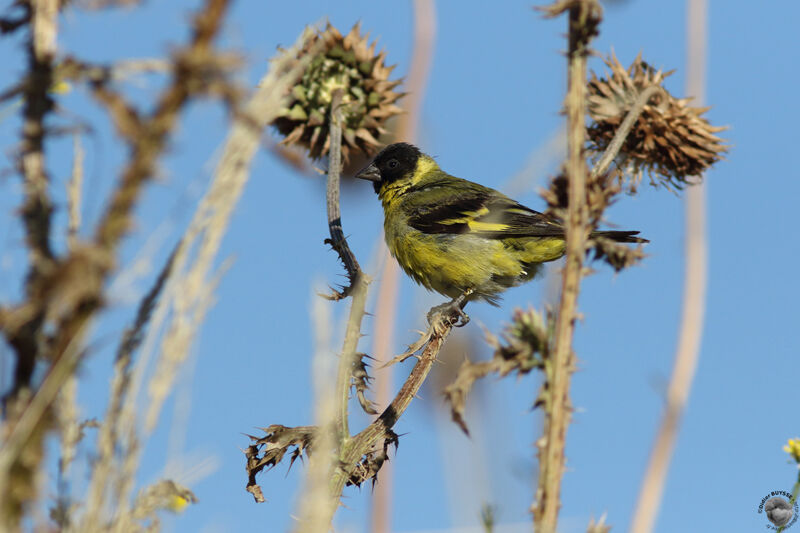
(453,309)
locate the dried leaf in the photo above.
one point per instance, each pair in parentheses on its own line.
(360,382)
(268,451)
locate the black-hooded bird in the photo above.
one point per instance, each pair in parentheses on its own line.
(459,238)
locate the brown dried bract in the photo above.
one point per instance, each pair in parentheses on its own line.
(671,140)
(372,461)
(360,382)
(616,254)
(268,451)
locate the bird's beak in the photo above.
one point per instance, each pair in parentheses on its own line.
(370,173)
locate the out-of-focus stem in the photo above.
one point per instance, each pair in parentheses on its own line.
(357,281)
(694,293)
(385,315)
(74,193)
(386,312)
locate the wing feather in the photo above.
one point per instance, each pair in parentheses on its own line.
(477,210)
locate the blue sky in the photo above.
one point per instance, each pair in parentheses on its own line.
(493,97)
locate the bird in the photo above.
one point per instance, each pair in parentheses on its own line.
(459,238)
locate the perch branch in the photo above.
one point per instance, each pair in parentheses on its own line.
(363,442)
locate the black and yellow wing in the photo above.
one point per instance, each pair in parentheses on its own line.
(442,206)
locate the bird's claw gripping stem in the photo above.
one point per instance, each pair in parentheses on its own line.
(452,311)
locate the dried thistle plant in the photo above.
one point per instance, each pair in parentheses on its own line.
(347,63)
(268,450)
(671,141)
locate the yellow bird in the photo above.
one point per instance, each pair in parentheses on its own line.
(459,238)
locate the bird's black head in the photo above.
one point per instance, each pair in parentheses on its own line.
(394,162)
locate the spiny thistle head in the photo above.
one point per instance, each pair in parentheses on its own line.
(347,63)
(671,140)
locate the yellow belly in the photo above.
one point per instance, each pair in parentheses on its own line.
(452,264)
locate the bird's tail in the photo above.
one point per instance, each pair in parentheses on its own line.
(619,236)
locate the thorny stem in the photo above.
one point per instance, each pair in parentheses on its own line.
(348,357)
(313,518)
(352,449)
(337,240)
(624,129)
(357,287)
(551,448)
(360,444)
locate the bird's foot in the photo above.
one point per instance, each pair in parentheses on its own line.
(452,312)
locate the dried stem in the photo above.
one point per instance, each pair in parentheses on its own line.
(110,429)
(348,357)
(66,293)
(18,482)
(315,498)
(381,428)
(37,207)
(315,519)
(189,290)
(358,282)
(624,129)
(694,292)
(337,240)
(352,454)
(583,18)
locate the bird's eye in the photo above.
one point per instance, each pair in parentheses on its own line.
(392,163)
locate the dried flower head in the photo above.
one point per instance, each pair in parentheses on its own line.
(347,63)
(671,140)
